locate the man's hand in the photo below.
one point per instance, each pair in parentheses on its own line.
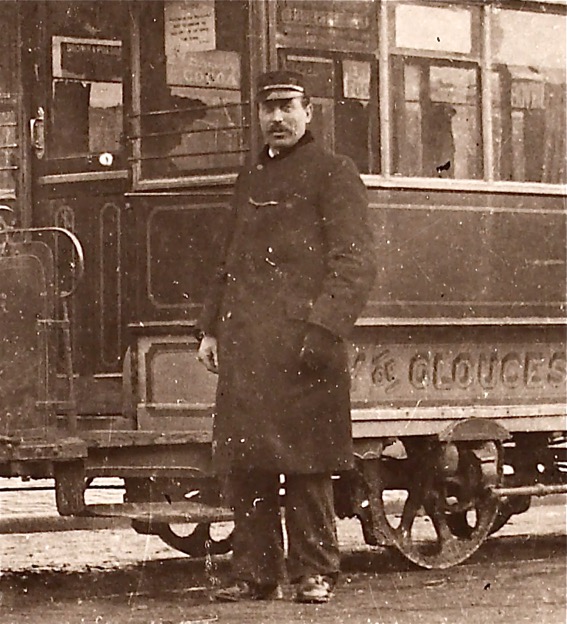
(208,354)
(319,348)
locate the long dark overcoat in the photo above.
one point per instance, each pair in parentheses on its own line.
(300,252)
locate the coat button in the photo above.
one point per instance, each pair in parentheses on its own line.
(259,167)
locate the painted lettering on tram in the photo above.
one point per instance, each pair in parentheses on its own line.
(381,367)
(402,371)
(445,370)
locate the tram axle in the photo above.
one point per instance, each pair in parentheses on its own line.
(530,490)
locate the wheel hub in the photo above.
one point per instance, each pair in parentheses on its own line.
(445,506)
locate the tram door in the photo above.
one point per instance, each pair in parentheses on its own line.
(74,66)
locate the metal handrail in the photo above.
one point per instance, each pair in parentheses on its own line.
(188,109)
(80,269)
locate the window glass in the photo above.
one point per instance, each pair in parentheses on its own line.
(436,114)
(86,112)
(193,70)
(334,44)
(8,104)
(435,29)
(529,85)
(435,92)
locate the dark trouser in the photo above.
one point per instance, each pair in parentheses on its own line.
(258,552)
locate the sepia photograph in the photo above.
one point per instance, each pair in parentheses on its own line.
(283,312)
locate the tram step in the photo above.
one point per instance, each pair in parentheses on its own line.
(156,513)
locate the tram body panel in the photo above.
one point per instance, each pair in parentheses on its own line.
(463,321)
(416,380)
(26,345)
(468,255)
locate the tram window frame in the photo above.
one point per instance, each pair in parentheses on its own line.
(438,143)
(484,56)
(87,87)
(10,109)
(344,35)
(156,68)
(331,106)
(475,54)
(525,96)
(384,53)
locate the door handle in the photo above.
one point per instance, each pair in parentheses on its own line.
(37,132)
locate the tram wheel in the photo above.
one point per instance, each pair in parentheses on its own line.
(198,543)
(445,509)
(506,509)
(510,507)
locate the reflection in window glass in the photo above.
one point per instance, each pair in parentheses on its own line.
(435,91)
(334,45)
(86,69)
(8,104)
(529,85)
(436,120)
(192,112)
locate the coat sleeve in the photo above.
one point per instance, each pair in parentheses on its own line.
(207,321)
(350,253)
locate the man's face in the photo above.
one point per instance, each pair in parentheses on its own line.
(283,121)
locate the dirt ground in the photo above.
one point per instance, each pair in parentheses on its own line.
(119,577)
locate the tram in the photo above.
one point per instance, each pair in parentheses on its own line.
(123,125)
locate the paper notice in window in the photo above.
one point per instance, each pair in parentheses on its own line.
(189,26)
(217,69)
(105,95)
(105,117)
(356,80)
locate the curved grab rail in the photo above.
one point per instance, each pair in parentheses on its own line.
(79,269)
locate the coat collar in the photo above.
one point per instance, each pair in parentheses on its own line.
(304,140)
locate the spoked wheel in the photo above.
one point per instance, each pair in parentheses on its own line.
(506,509)
(197,543)
(190,539)
(444,509)
(510,507)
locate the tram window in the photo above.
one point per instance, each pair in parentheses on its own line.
(435,90)
(334,45)
(86,113)
(529,85)
(436,120)
(8,105)
(192,113)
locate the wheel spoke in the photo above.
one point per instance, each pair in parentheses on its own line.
(440,525)
(199,543)
(412,506)
(444,533)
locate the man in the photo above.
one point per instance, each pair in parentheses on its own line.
(296,273)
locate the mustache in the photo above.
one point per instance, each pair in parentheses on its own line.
(277,127)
